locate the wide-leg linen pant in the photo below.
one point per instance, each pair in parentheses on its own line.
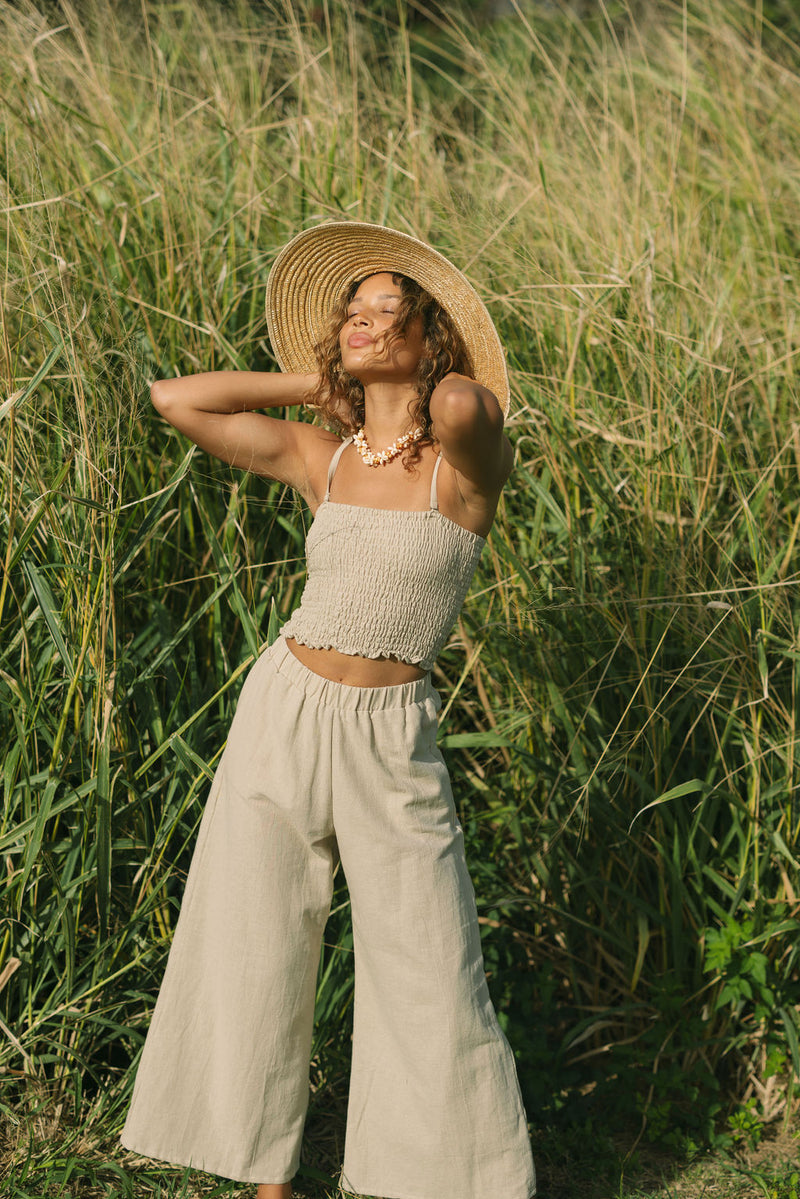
(314,771)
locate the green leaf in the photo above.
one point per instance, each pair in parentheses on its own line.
(103,834)
(47,606)
(33,848)
(274,624)
(477,740)
(690,787)
(27,390)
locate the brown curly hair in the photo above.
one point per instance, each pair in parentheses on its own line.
(339,397)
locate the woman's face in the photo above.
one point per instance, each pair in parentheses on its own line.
(370,315)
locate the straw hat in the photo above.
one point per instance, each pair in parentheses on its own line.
(315,267)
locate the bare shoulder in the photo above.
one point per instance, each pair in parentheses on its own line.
(316,448)
(303,460)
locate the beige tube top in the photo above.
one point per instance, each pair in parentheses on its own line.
(382,582)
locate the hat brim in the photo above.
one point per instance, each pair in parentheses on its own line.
(311,272)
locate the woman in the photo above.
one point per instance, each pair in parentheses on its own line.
(332,755)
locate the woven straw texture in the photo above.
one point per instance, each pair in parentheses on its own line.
(316,266)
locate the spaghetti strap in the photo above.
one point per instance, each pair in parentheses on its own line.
(434,496)
(334,462)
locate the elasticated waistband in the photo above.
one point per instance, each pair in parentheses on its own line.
(343,695)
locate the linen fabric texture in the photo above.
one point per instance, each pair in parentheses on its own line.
(315,773)
(383,582)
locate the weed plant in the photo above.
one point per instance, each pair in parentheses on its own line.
(621,691)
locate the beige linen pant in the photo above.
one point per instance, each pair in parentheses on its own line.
(314,771)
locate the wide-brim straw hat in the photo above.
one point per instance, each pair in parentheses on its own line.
(317,266)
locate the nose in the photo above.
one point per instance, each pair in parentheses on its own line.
(361,318)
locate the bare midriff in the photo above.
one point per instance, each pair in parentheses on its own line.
(352,670)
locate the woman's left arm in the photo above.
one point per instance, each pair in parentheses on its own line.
(468,424)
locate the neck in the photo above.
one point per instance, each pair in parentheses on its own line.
(386,408)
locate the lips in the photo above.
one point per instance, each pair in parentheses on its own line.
(355,340)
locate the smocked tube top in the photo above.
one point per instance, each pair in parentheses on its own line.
(383,583)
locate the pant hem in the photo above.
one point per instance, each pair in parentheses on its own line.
(184,1160)
(527,1192)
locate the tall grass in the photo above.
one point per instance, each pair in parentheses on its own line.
(621,690)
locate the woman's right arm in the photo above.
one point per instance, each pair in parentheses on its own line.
(215,410)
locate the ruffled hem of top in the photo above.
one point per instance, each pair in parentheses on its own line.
(360,651)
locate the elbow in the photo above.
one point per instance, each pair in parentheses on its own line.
(159,394)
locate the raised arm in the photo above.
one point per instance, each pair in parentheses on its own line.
(216,410)
(468,423)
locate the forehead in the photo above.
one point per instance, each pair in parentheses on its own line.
(379,286)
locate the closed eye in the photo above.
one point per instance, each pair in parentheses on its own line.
(387,311)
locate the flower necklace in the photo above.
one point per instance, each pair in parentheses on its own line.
(371,458)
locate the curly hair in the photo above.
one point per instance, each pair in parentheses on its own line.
(339,396)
